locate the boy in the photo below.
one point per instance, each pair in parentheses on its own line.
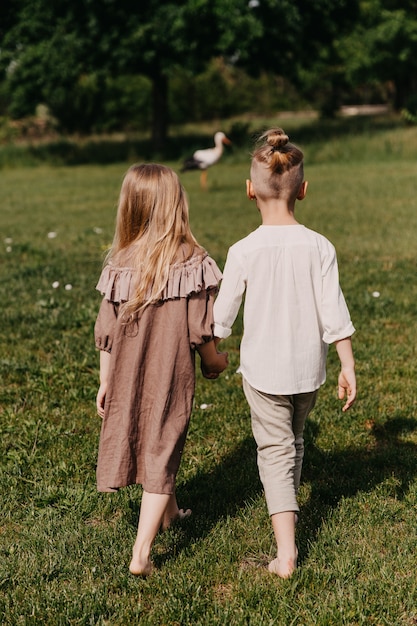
(294,309)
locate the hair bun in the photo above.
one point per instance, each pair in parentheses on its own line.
(276,138)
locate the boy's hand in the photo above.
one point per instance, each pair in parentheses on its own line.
(347,387)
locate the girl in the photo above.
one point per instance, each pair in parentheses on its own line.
(293,309)
(158,286)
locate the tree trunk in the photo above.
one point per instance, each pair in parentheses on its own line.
(159,111)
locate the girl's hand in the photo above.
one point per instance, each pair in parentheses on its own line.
(216,366)
(104,374)
(101,399)
(212,362)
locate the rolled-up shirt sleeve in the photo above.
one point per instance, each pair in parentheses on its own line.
(229,299)
(336,320)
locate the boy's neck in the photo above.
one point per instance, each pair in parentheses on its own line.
(277,213)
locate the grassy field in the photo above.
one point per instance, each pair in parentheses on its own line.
(65,549)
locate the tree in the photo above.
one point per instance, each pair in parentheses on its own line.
(285,35)
(51,48)
(382,47)
(276,35)
(61,51)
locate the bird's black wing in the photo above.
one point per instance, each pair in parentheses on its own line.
(191,164)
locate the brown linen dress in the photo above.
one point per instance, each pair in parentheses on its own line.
(152,373)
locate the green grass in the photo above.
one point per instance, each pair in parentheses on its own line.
(65,548)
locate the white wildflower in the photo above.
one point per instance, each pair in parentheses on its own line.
(55,284)
(52,234)
(375,294)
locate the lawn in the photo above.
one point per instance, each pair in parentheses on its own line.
(65,548)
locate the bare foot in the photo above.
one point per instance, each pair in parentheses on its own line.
(140,566)
(283,568)
(170,519)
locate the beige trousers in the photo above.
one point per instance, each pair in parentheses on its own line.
(277,426)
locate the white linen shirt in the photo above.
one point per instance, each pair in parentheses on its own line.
(293,309)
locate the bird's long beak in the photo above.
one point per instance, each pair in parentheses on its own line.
(226,140)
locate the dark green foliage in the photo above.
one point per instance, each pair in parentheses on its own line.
(70,55)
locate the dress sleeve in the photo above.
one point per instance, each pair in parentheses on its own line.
(196,280)
(116,286)
(104,326)
(200,316)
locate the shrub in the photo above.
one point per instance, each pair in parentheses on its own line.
(409,113)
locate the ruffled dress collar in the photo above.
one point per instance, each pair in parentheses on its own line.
(118,283)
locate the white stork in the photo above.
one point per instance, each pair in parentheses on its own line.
(203,159)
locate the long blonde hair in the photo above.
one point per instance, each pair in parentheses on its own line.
(152,213)
(277,165)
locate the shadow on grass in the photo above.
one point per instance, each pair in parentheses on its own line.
(66,151)
(323,130)
(128,149)
(343,473)
(217,494)
(333,475)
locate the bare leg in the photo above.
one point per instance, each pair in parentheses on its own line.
(156,510)
(152,510)
(173,513)
(284,531)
